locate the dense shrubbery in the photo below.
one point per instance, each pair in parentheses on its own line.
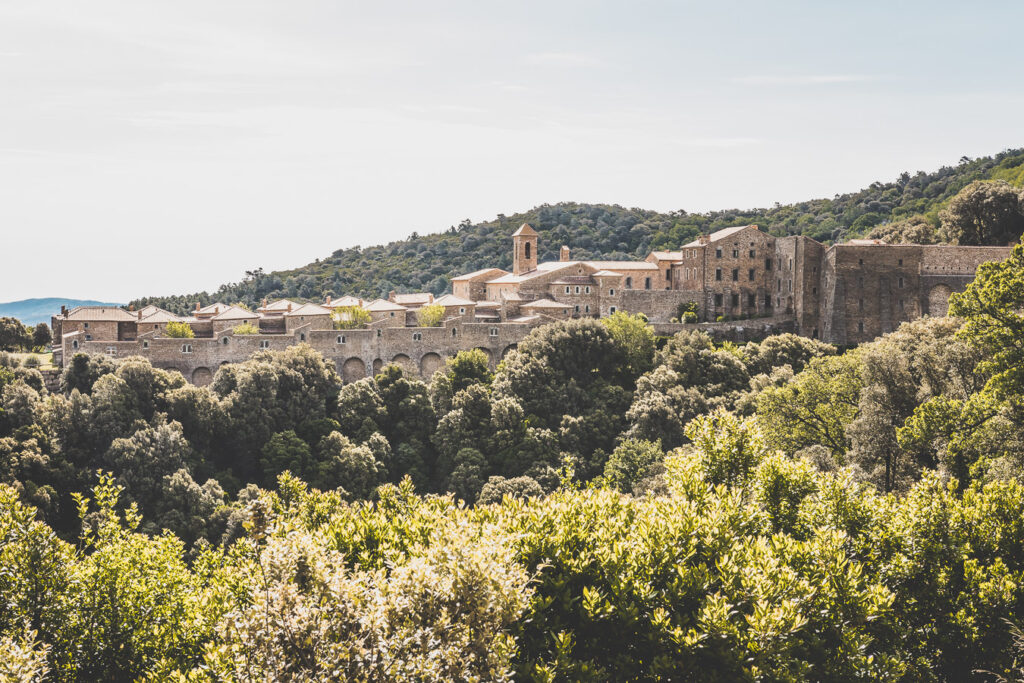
(912,205)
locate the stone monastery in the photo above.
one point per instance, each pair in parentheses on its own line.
(745,284)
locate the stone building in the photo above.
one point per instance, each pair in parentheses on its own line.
(745,284)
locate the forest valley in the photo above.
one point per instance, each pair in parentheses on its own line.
(606,505)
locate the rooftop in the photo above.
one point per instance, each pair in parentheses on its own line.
(101,313)
(309,309)
(378,305)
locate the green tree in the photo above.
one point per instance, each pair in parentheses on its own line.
(246,328)
(636,339)
(350,317)
(430,316)
(41,335)
(13,335)
(177,330)
(630,462)
(984,213)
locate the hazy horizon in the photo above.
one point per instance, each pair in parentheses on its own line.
(163,148)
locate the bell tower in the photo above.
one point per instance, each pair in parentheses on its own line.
(524,250)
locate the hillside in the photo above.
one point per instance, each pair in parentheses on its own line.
(34,311)
(427,262)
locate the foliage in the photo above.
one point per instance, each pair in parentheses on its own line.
(14,336)
(246,328)
(629,462)
(636,339)
(984,213)
(178,330)
(350,317)
(430,316)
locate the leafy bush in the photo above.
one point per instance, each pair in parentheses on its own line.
(246,328)
(350,317)
(179,330)
(430,316)
(31,361)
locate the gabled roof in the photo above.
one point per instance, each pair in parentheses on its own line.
(310,309)
(621,265)
(720,234)
(452,300)
(542,269)
(413,299)
(606,273)
(524,229)
(346,301)
(157,316)
(213,309)
(544,303)
(667,255)
(378,305)
(279,306)
(484,274)
(101,314)
(574,280)
(235,313)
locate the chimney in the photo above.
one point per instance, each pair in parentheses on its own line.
(139,315)
(563,254)
(391,296)
(289,306)
(704,239)
(328,299)
(197,305)
(63,310)
(131,307)
(264,304)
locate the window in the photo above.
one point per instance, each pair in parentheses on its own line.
(778,283)
(88,337)
(587,309)
(527,250)
(576,308)
(186,348)
(611,292)
(767,264)
(587,290)
(493,331)
(753,253)
(860,327)
(341,339)
(860,262)
(111,351)
(577,290)
(264,343)
(302,336)
(668,275)
(735,274)
(901,262)
(718,252)
(145,344)
(790,264)
(752,300)
(735,253)
(718,274)
(156,327)
(899,283)
(74,344)
(901,304)
(814,290)
(768,301)
(735,300)
(566,290)
(455,332)
(647,283)
(462,310)
(417,336)
(718,300)
(380,333)
(611,310)
(85,325)
(392,314)
(224,341)
(629,283)
(750,274)
(860,305)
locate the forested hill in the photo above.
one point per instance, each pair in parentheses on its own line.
(427,262)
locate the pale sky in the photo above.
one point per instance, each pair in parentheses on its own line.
(154,148)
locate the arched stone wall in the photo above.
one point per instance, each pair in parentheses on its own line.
(429,364)
(353,370)
(487,352)
(377,365)
(508,349)
(201,377)
(938,300)
(405,363)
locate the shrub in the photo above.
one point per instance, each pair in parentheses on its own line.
(178,330)
(246,328)
(689,317)
(430,316)
(31,361)
(350,317)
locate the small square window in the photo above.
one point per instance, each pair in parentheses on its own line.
(611,292)
(718,252)
(611,310)
(753,253)
(145,344)
(88,337)
(750,274)
(264,343)
(901,262)
(494,331)
(860,262)
(341,339)
(462,311)
(735,274)
(85,325)
(735,253)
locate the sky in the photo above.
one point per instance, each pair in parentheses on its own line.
(166,147)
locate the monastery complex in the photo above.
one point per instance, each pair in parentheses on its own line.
(744,283)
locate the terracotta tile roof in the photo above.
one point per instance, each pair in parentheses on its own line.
(213,309)
(524,229)
(378,305)
(157,316)
(483,274)
(346,301)
(452,300)
(101,314)
(606,273)
(235,313)
(488,304)
(544,303)
(279,306)
(668,255)
(720,234)
(621,265)
(413,299)
(310,309)
(574,280)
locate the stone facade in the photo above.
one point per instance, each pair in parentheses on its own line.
(746,284)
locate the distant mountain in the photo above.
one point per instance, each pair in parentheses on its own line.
(598,231)
(35,311)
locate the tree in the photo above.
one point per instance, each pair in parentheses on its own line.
(497,488)
(41,335)
(343,464)
(13,335)
(913,230)
(636,339)
(989,212)
(82,370)
(350,317)
(246,328)
(629,463)
(430,316)
(179,330)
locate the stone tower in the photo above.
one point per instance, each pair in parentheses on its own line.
(524,254)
